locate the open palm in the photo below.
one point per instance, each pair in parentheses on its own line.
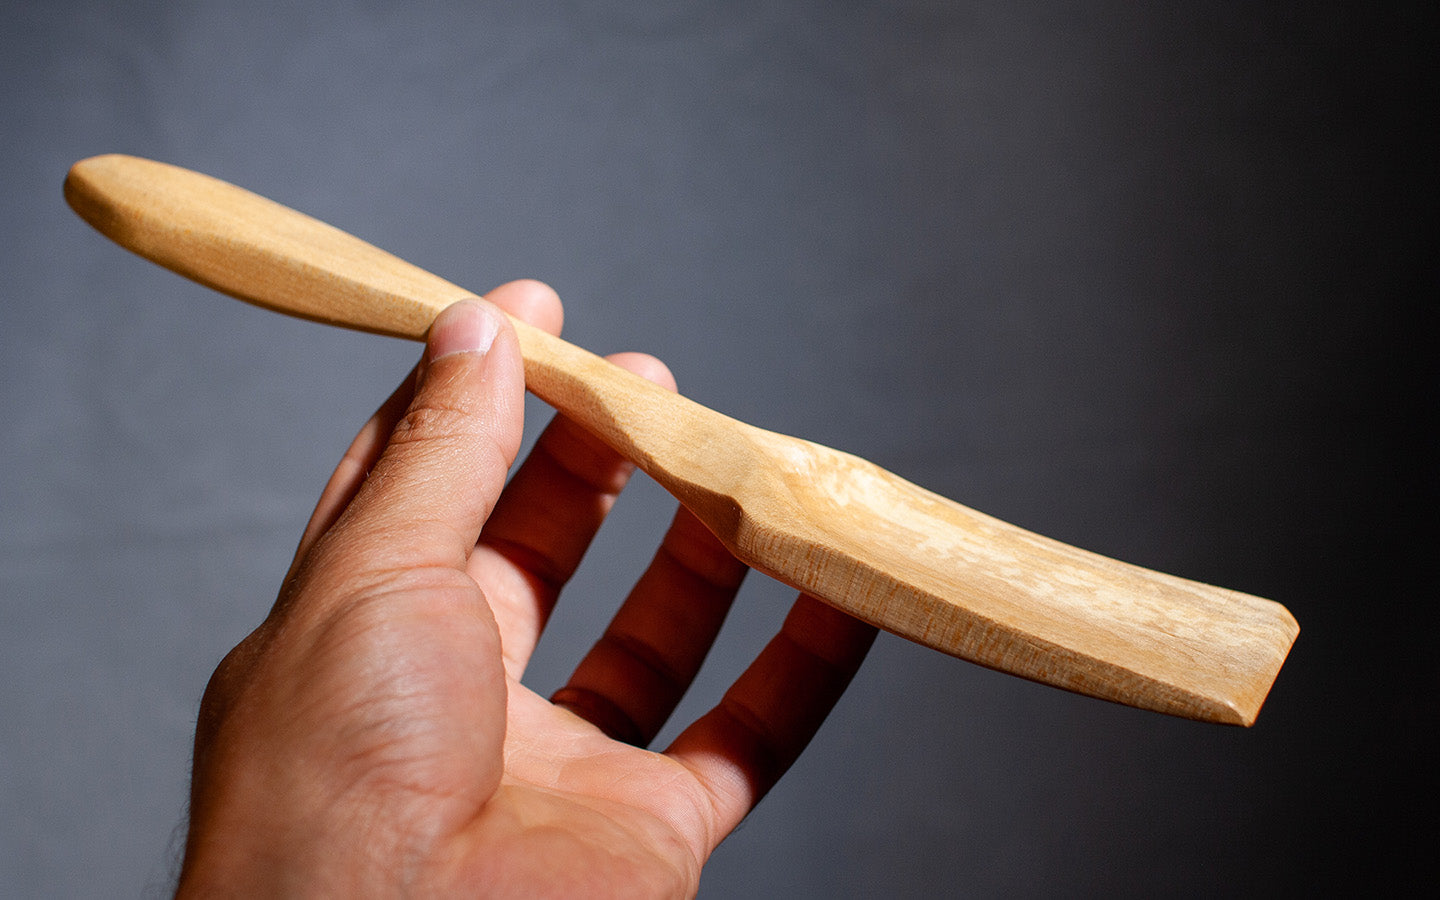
(373,736)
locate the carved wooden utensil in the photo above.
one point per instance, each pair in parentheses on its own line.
(836,526)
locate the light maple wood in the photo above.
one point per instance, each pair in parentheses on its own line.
(826,522)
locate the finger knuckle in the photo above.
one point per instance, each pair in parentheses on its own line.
(424,424)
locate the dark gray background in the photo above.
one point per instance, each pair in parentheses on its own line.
(1145,280)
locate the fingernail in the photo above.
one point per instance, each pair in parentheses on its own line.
(464,327)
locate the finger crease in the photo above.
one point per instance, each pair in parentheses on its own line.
(535,563)
(765,762)
(813,658)
(586,479)
(602,712)
(708,575)
(649,657)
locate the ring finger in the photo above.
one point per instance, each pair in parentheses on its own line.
(633,678)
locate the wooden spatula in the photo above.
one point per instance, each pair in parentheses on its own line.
(826,522)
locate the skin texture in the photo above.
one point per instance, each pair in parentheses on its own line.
(372,737)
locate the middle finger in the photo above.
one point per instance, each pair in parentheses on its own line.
(545,520)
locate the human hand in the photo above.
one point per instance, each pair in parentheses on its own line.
(372,736)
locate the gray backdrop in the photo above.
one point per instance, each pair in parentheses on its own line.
(1140,279)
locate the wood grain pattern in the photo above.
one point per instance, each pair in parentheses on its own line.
(843,529)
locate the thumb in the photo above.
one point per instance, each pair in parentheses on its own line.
(444,466)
